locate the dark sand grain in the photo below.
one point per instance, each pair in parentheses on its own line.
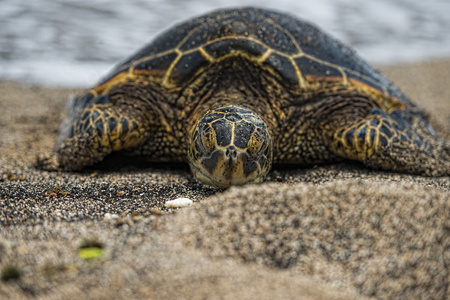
(338,231)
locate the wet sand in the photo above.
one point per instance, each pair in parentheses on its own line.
(337,231)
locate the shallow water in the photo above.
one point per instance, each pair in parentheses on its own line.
(75,42)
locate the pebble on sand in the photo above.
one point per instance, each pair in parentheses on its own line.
(179,202)
(109,216)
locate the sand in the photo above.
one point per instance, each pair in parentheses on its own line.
(337,231)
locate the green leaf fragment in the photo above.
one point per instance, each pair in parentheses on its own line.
(90,253)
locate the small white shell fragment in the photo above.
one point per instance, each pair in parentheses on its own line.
(179,202)
(109,216)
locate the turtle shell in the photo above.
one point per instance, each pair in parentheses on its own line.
(299,54)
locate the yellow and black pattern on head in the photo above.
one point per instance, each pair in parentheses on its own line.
(230,145)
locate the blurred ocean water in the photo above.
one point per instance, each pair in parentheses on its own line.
(75,42)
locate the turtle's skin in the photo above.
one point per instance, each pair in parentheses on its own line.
(232,91)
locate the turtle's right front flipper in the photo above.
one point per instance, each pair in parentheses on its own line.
(95,129)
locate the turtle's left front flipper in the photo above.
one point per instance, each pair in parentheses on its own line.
(95,129)
(394,142)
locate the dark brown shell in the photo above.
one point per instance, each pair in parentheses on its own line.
(297,52)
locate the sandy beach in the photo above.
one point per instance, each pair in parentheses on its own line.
(338,231)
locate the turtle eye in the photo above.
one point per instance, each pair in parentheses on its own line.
(257,141)
(207,138)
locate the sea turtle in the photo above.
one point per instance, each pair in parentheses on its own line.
(234,90)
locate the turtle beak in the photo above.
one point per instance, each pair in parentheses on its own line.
(226,167)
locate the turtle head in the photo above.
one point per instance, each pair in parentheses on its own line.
(230,145)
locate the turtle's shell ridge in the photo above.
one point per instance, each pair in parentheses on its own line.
(299,54)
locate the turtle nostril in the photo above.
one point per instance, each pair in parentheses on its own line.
(231,152)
